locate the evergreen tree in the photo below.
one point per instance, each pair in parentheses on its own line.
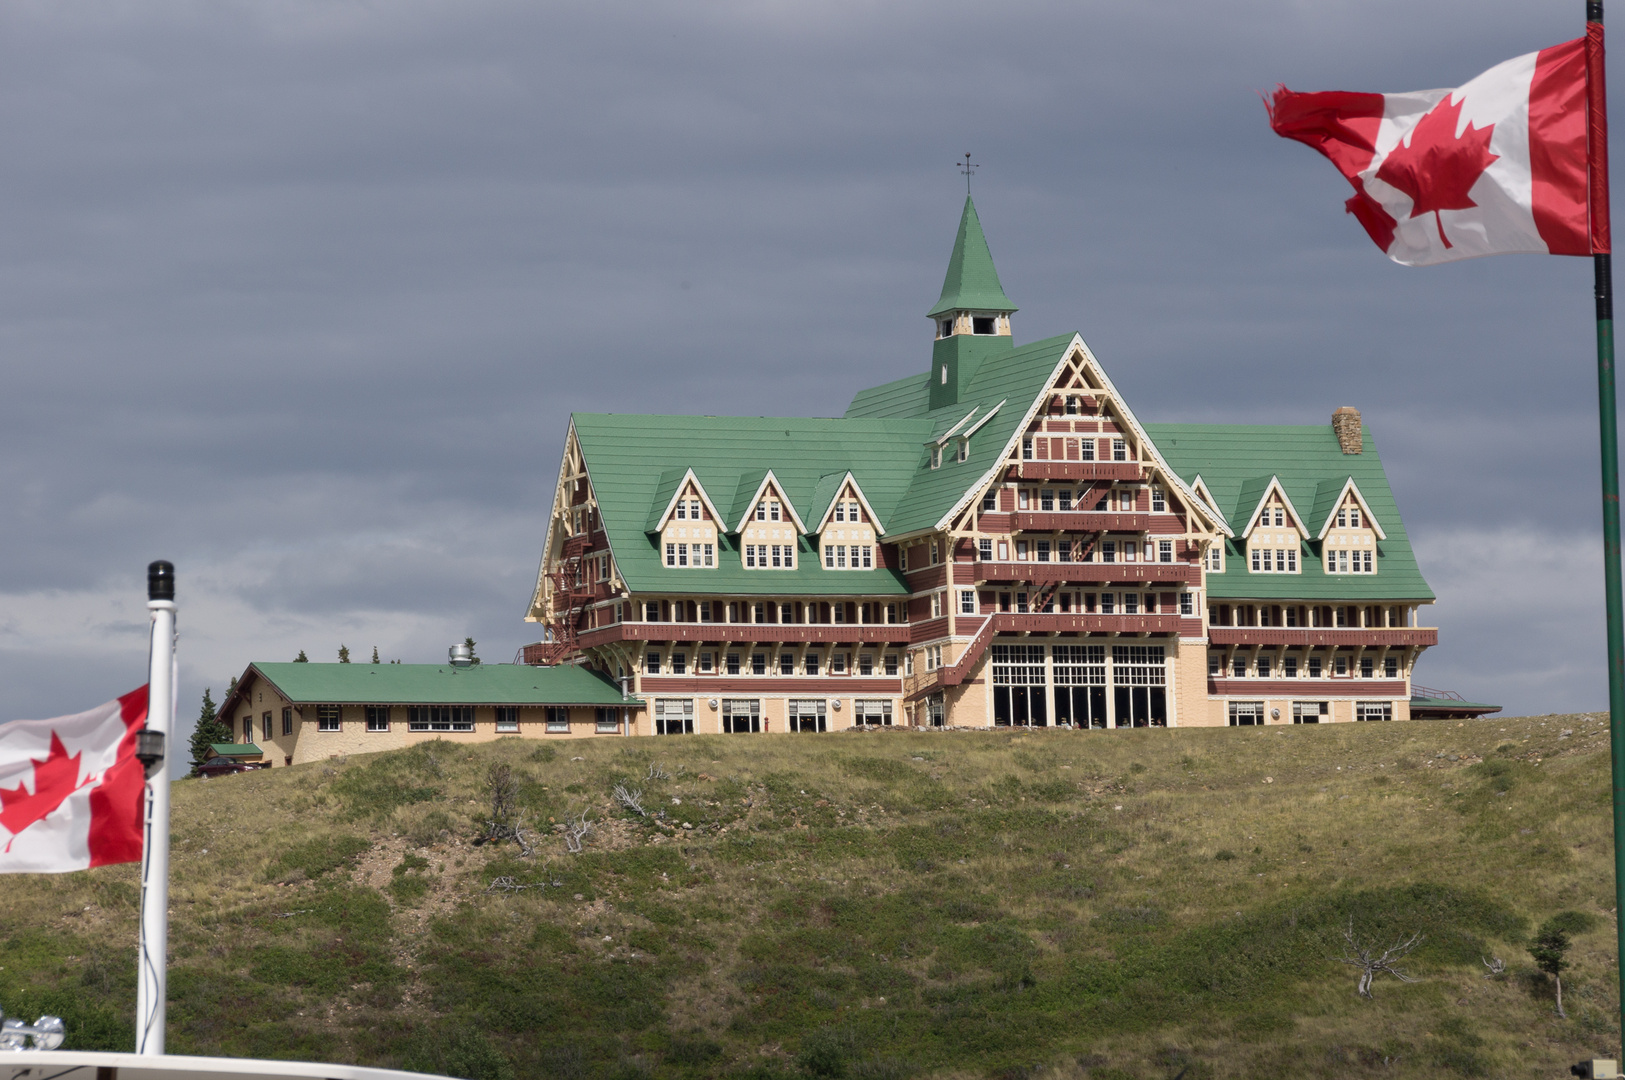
(470,643)
(210,729)
(1549,951)
(375,655)
(300,659)
(344,654)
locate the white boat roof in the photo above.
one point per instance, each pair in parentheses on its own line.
(90,1065)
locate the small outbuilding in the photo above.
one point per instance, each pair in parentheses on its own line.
(297,712)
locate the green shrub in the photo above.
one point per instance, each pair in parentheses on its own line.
(316,857)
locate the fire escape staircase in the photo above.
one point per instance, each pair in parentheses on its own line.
(570,593)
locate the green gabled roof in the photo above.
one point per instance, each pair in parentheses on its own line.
(439,684)
(887,455)
(1016,378)
(731,454)
(1303,458)
(972,283)
(1326,493)
(828,486)
(908,396)
(665,491)
(1252,492)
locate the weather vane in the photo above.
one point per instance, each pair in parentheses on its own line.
(966,168)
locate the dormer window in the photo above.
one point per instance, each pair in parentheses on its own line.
(936,457)
(768,510)
(1072,405)
(963,453)
(982,324)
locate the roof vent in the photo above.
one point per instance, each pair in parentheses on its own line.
(461,655)
(1346,426)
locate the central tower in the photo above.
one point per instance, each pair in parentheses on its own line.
(971,318)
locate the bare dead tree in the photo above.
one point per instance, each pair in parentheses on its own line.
(656,773)
(1364,955)
(507,821)
(632,800)
(1497,967)
(576,831)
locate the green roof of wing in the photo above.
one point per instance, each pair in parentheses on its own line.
(1307,460)
(972,283)
(885,451)
(235,749)
(439,684)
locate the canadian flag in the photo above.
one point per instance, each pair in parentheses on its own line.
(71,789)
(1496,166)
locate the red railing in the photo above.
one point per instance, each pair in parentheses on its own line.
(1077,470)
(1103,573)
(1415,636)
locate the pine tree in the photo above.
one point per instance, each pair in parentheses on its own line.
(210,729)
(470,643)
(301,658)
(344,654)
(1549,952)
(375,655)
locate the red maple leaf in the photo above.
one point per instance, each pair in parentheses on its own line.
(55,779)
(1437,169)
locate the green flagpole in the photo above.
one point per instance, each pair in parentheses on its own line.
(1608,424)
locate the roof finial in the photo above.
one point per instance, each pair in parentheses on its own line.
(966,168)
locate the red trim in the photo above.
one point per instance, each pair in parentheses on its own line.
(1597,137)
(116,803)
(1557,150)
(1342,126)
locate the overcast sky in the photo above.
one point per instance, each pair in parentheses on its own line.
(301,295)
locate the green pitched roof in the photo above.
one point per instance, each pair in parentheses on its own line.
(1309,462)
(439,684)
(883,441)
(972,283)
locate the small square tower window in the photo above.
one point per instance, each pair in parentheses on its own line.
(981,325)
(946,327)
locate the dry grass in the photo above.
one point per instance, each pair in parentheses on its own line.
(876,905)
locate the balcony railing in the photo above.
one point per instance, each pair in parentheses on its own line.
(816,633)
(1011,623)
(1079,521)
(1078,470)
(1135,573)
(1413,637)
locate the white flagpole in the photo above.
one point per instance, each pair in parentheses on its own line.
(152,988)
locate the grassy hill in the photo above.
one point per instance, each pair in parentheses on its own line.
(882,905)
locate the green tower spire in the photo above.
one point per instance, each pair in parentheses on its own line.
(972,283)
(972,318)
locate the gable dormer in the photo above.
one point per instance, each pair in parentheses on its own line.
(1349,531)
(1273,533)
(770,529)
(688,524)
(849,529)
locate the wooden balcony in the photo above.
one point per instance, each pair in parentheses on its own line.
(1011,623)
(1081,521)
(1372,638)
(814,634)
(1095,573)
(1077,470)
(576,546)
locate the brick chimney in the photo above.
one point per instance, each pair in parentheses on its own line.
(1346,425)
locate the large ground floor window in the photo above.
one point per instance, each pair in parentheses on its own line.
(1083,688)
(1373,710)
(740,716)
(674,716)
(1018,686)
(807,714)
